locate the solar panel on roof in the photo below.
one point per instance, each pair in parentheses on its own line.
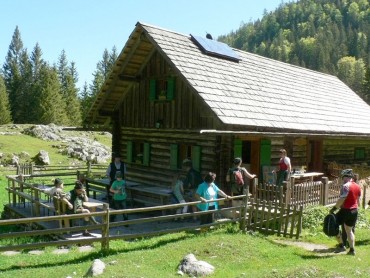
(215,48)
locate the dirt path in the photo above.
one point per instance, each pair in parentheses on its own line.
(319,249)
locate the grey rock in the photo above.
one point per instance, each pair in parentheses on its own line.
(191,266)
(96,269)
(43,157)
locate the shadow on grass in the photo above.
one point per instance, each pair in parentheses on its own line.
(100,254)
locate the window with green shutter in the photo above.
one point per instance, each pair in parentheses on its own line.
(152,89)
(179,152)
(162,89)
(265,152)
(170,88)
(196,157)
(129,152)
(359,153)
(174,152)
(238,148)
(146,154)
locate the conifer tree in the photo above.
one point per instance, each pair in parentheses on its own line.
(68,79)
(52,107)
(12,74)
(5,116)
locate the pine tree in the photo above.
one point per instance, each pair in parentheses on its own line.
(103,68)
(68,79)
(12,74)
(34,100)
(86,100)
(51,107)
(5,116)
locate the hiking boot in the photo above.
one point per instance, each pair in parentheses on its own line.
(351,252)
(87,234)
(340,248)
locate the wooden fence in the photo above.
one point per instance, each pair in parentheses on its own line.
(307,193)
(30,170)
(252,215)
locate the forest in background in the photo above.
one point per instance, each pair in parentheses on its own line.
(33,91)
(330,36)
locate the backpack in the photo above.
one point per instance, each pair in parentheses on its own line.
(331,227)
(238,177)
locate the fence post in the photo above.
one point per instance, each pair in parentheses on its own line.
(325,191)
(288,190)
(244,209)
(88,168)
(105,229)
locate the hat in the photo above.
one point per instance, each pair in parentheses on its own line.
(57,182)
(347,173)
(79,185)
(237,160)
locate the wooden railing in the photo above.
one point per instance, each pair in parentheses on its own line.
(301,194)
(252,215)
(30,170)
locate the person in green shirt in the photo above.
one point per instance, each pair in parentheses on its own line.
(120,196)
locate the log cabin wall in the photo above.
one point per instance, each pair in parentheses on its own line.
(347,151)
(159,170)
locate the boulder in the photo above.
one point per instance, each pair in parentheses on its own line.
(42,158)
(191,266)
(97,268)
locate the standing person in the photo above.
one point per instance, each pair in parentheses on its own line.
(236,177)
(285,168)
(178,192)
(75,199)
(347,203)
(117,165)
(207,191)
(120,196)
(191,182)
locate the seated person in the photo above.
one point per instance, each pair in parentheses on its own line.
(75,199)
(56,191)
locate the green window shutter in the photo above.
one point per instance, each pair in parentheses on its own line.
(152,89)
(265,152)
(238,148)
(146,154)
(129,152)
(171,88)
(196,152)
(174,153)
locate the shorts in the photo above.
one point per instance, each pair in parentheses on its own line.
(347,216)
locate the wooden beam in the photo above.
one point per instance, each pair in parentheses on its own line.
(128,78)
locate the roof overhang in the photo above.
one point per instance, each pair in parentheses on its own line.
(281,133)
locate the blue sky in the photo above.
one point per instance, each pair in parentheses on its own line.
(84,28)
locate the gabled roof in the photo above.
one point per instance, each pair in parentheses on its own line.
(256,93)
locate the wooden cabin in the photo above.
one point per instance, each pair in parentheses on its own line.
(172,96)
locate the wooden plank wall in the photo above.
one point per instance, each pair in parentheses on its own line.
(342,151)
(186,111)
(158,172)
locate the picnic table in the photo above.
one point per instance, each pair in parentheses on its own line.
(149,195)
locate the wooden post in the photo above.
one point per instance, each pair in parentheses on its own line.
(105,229)
(89,168)
(288,185)
(325,191)
(36,198)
